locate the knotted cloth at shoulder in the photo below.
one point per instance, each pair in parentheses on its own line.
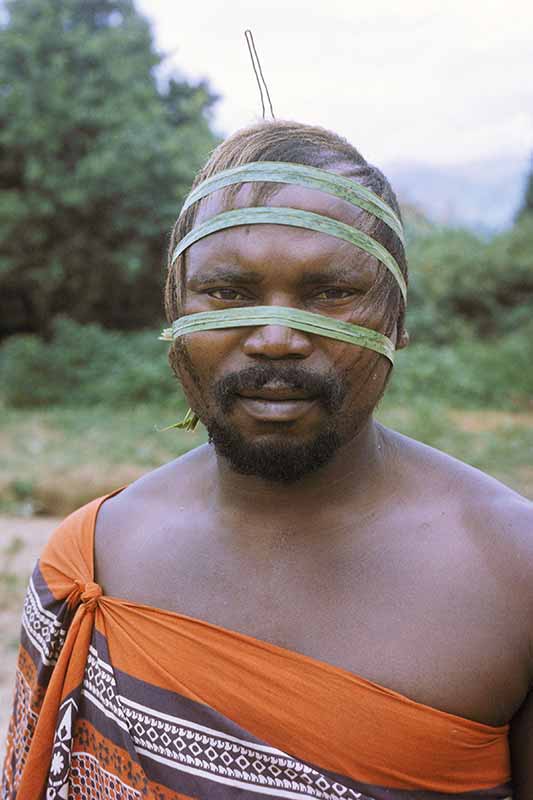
(87,593)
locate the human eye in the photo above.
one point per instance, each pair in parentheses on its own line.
(226,293)
(335,293)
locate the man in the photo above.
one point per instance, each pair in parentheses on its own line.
(311,605)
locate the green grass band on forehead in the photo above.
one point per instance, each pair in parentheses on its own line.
(250,316)
(298,218)
(300,175)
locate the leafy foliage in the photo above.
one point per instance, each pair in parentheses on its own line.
(84,365)
(95,158)
(471,373)
(527,205)
(462,285)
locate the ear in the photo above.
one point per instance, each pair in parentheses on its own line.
(403,340)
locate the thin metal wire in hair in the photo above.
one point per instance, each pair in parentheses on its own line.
(256,64)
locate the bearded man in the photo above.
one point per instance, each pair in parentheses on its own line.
(311,605)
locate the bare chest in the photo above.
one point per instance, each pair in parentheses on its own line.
(426,622)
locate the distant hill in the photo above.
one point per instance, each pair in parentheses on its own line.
(482,195)
(415,221)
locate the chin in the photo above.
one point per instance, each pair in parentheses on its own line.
(273,457)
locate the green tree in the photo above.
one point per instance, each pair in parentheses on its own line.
(527,204)
(95,159)
(462,285)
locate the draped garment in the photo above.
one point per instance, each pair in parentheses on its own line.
(118,700)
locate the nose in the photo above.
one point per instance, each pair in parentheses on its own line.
(277,341)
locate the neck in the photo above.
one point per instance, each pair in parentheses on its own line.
(355,475)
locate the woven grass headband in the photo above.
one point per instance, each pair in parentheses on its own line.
(319,324)
(299,175)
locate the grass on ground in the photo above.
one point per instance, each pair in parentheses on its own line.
(57,458)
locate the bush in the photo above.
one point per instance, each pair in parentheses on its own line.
(473,373)
(462,286)
(84,365)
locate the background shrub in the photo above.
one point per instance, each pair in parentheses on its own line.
(471,373)
(83,365)
(463,286)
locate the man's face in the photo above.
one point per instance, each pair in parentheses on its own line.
(277,402)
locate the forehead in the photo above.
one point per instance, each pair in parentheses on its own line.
(254,245)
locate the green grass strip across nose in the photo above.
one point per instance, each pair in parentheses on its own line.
(297,218)
(250,316)
(300,175)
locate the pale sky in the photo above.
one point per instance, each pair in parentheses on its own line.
(414,80)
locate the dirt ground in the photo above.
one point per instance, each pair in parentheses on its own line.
(21,541)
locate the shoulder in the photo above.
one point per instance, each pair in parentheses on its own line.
(482,502)
(487,506)
(503,521)
(493,521)
(73,535)
(68,553)
(161,489)
(136,527)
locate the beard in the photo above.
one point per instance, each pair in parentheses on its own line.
(279,460)
(282,460)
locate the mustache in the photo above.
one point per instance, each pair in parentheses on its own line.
(329,389)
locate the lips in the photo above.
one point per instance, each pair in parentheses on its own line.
(275,403)
(276,394)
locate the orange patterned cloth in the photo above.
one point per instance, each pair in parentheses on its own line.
(120,700)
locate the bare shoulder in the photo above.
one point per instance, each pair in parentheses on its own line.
(169,483)
(503,520)
(497,520)
(144,518)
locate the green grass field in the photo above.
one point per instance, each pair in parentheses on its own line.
(59,457)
